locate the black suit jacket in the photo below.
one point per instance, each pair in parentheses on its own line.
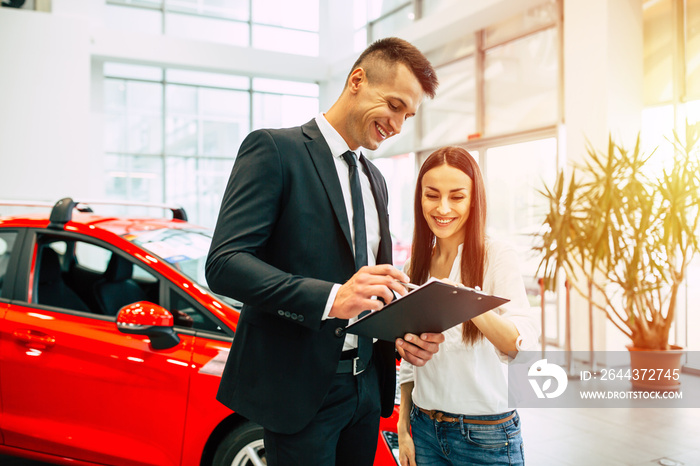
(282,240)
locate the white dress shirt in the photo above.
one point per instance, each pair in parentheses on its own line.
(338,147)
(473,380)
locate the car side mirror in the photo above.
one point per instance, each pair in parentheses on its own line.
(152,320)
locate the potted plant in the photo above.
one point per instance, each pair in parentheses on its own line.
(629,235)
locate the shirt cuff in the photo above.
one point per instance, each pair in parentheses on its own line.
(528,338)
(329,303)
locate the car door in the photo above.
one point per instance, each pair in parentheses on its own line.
(10,241)
(72,385)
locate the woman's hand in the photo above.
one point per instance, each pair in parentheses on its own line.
(407,450)
(450,282)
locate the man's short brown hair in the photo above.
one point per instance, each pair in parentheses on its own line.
(379,58)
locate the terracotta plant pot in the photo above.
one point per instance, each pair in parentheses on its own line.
(655,369)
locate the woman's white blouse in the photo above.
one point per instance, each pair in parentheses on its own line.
(473,380)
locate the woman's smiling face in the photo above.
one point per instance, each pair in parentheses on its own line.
(446,200)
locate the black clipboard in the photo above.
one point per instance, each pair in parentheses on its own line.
(432,308)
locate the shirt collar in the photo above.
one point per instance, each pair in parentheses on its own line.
(334,140)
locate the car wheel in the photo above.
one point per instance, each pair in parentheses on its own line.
(242,446)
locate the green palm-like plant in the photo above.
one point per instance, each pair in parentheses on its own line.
(629,235)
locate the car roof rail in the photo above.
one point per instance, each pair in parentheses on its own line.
(62,211)
(24,203)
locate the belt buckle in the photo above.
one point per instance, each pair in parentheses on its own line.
(357,366)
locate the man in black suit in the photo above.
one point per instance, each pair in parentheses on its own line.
(286,246)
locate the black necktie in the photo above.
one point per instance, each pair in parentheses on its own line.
(358,212)
(364,344)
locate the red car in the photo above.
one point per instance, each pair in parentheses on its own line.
(112,346)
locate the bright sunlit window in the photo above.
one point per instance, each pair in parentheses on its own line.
(173,136)
(289,27)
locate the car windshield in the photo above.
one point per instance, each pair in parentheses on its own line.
(184,249)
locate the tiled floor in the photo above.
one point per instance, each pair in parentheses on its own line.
(597,437)
(615,436)
(611,437)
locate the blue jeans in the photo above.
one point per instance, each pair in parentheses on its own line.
(462,443)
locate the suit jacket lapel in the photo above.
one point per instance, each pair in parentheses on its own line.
(325,166)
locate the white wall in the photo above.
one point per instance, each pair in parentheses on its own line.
(44,106)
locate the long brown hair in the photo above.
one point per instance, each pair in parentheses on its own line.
(474,245)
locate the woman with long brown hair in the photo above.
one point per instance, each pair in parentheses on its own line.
(454,410)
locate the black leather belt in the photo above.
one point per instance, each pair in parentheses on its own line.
(350,363)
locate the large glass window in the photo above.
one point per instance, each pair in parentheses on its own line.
(125,18)
(533,19)
(400,173)
(133,117)
(451,117)
(231,9)
(658,52)
(692,290)
(692,49)
(134,178)
(384,26)
(521,83)
(280,104)
(496,82)
(671,75)
(290,27)
(206,28)
(204,121)
(300,14)
(172,137)
(514,173)
(374,19)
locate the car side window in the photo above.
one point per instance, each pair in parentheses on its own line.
(83,276)
(187,314)
(91,257)
(55,285)
(7,242)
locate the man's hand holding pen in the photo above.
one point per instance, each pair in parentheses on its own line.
(409,286)
(382,281)
(358,294)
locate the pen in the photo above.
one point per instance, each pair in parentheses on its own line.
(409,286)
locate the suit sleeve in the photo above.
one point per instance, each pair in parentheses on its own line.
(250,209)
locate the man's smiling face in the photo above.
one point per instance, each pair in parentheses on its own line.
(380,108)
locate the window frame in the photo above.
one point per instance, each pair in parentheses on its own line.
(8,291)
(225,332)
